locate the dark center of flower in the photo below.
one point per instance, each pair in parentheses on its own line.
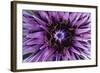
(60,35)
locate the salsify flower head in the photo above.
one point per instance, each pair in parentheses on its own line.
(56,36)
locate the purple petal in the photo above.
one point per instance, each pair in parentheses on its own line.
(73,16)
(30,49)
(66,16)
(78,44)
(77,38)
(35,35)
(80,31)
(34,42)
(44,16)
(85,35)
(75,51)
(33,57)
(83,21)
(46,54)
(41,22)
(68,56)
(54,16)
(76,19)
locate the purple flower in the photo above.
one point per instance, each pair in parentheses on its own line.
(56,36)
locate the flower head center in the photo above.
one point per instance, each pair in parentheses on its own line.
(59,35)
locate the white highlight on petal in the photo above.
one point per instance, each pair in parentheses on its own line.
(59,35)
